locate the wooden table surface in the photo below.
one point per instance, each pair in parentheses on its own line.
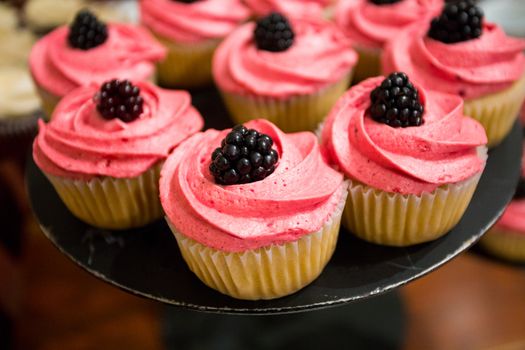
(471,303)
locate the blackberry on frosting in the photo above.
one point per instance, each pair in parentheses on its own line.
(396,102)
(86,31)
(274,33)
(245,156)
(119,99)
(459,21)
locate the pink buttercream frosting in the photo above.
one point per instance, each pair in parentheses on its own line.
(293,8)
(79,143)
(320,55)
(299,197)
(470,69)
(409,160)
(513,218)
(371,26)
(193,22)
(130,52)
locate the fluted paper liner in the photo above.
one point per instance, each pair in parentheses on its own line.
(505,244)
(402,220)
(264,273)
(497,112)
(112,203)
(48,101)
(187,65)
(297,113)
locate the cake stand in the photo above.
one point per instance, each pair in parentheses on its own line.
(147,262)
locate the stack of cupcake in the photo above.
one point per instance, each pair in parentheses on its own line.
(256,211)
(18,100)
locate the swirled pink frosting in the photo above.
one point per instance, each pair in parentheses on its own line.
(292,8)
(299,197)
(193,22)
(79,143)
(130,52)
(409,160)
(372,26)
(320,55)
(513,218)
(470,69)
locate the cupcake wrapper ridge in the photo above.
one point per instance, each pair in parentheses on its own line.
(505,244)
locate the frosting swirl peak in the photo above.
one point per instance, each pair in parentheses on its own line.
(403,160)
(297,198)
(80,143)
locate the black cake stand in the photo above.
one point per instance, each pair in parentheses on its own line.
(147,261)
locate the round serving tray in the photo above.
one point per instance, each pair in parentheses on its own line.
(147,261)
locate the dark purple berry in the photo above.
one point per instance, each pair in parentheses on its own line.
(396,102)
(274,33)
(459,21)
(244,156)
(86,31)
(119,99)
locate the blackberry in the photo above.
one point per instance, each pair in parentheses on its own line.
(520,190)
(245,156)
(396,102)
(384,2)
(459,21)
(86,31)
(274,33)
(119,99)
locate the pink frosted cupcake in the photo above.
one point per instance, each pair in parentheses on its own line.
(255,211)
(507,238)
(297,8)
(68,57)
(413,159)
(485,67)
(370,24)
(104,148)
(289,72)
(191,30)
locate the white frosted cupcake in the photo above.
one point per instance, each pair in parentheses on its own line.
(255,211)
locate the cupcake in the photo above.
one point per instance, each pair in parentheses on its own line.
(506,239)
(476,61)
(65,59)
(289,72)
(42,16)
(191,30)
(255,212)
(103,149)
(370,24)
(413,159)
(298,8)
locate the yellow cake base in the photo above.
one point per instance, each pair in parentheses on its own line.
(403,220)
(112,203)
(497,112)
(297,113)
(264,273)
(187,65)
(505,244)
(368,64)
(48,102)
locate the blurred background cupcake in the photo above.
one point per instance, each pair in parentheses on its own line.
(68,58)
(42,16)
(460,53)
(292,8)
(191,30)
(370,24)
(19,103)
(290,72)
(506,239)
